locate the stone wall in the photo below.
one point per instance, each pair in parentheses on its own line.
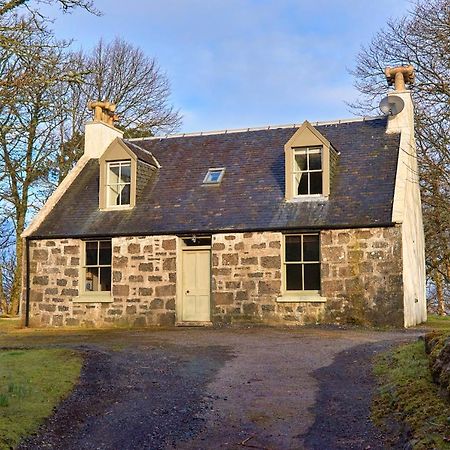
(246,274)
(143,288)
(362,275)
(361,279)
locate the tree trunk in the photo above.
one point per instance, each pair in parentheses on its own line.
(437,278)
(17,281)
(3,304)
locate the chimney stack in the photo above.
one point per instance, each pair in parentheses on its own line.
(101,131)
(399,77)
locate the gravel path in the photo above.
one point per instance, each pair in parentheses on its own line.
(342,407)
(257,388)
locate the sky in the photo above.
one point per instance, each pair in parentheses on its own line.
(243,63)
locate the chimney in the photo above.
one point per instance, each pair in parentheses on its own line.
(101,131)
(400,76)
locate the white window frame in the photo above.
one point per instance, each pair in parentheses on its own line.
(302,263)
(109,185)
(85,266)
(306,151)
(214,169)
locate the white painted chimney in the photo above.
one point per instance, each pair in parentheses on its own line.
(100,132)
(403,122)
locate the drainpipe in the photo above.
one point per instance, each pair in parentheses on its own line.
(27,282)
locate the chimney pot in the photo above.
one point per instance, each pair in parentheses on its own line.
(101,131)
(398,76)
(104,112)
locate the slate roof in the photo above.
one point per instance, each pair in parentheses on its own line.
(251,195)
(143,154)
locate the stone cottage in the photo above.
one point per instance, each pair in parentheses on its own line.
(296,224)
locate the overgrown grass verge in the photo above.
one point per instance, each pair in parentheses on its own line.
(407,394)
(32,383)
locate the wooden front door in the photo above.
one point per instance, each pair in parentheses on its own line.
(196,286)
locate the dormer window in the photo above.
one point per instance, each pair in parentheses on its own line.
(307,171)
(118,183)
(310,161)
(214,176)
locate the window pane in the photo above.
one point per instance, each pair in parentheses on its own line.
(113,195)
(91,282)
(125,173)
(293,248)
(105,278)
(293,277)
(91,253)
(300,162)
(315,161)
(214,176)
(310,248)
(125,195)
(113,176)
(312,277)
(303,185)
(105,253)
(316,182)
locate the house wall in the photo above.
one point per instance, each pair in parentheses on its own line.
(246,281)
(143,292)
(362,276)
(361,279)
(413,240)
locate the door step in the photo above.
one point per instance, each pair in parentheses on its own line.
(193,324)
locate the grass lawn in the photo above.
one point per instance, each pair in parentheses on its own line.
(32,383)
(436,322)
(407,393)
(7,325)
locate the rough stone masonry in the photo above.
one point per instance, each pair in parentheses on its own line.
(361,278)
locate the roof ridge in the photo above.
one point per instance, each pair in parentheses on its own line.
(267,127)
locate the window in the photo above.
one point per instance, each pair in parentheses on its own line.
(97,266)
(301,262)
(118,183)
(214,176)
(307,171)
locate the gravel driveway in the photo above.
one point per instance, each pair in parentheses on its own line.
(241,388)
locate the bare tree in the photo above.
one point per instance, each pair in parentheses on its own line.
(27,142)
(11,6)
(422,38)
(123,74)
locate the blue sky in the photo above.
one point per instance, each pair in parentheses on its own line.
(239,63)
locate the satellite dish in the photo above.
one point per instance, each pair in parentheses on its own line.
(392,105)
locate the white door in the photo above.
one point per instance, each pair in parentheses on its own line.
(196,286)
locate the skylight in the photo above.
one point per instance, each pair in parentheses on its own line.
(214,176)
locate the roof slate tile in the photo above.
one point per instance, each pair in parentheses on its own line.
(251,194)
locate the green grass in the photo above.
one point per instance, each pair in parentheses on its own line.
(407,394)
(32,383)
(436,322)
(7,325)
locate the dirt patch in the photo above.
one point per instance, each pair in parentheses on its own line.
(143,398)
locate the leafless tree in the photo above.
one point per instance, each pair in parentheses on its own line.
(421,38)
(123,74)
(13,6)
(27,123)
